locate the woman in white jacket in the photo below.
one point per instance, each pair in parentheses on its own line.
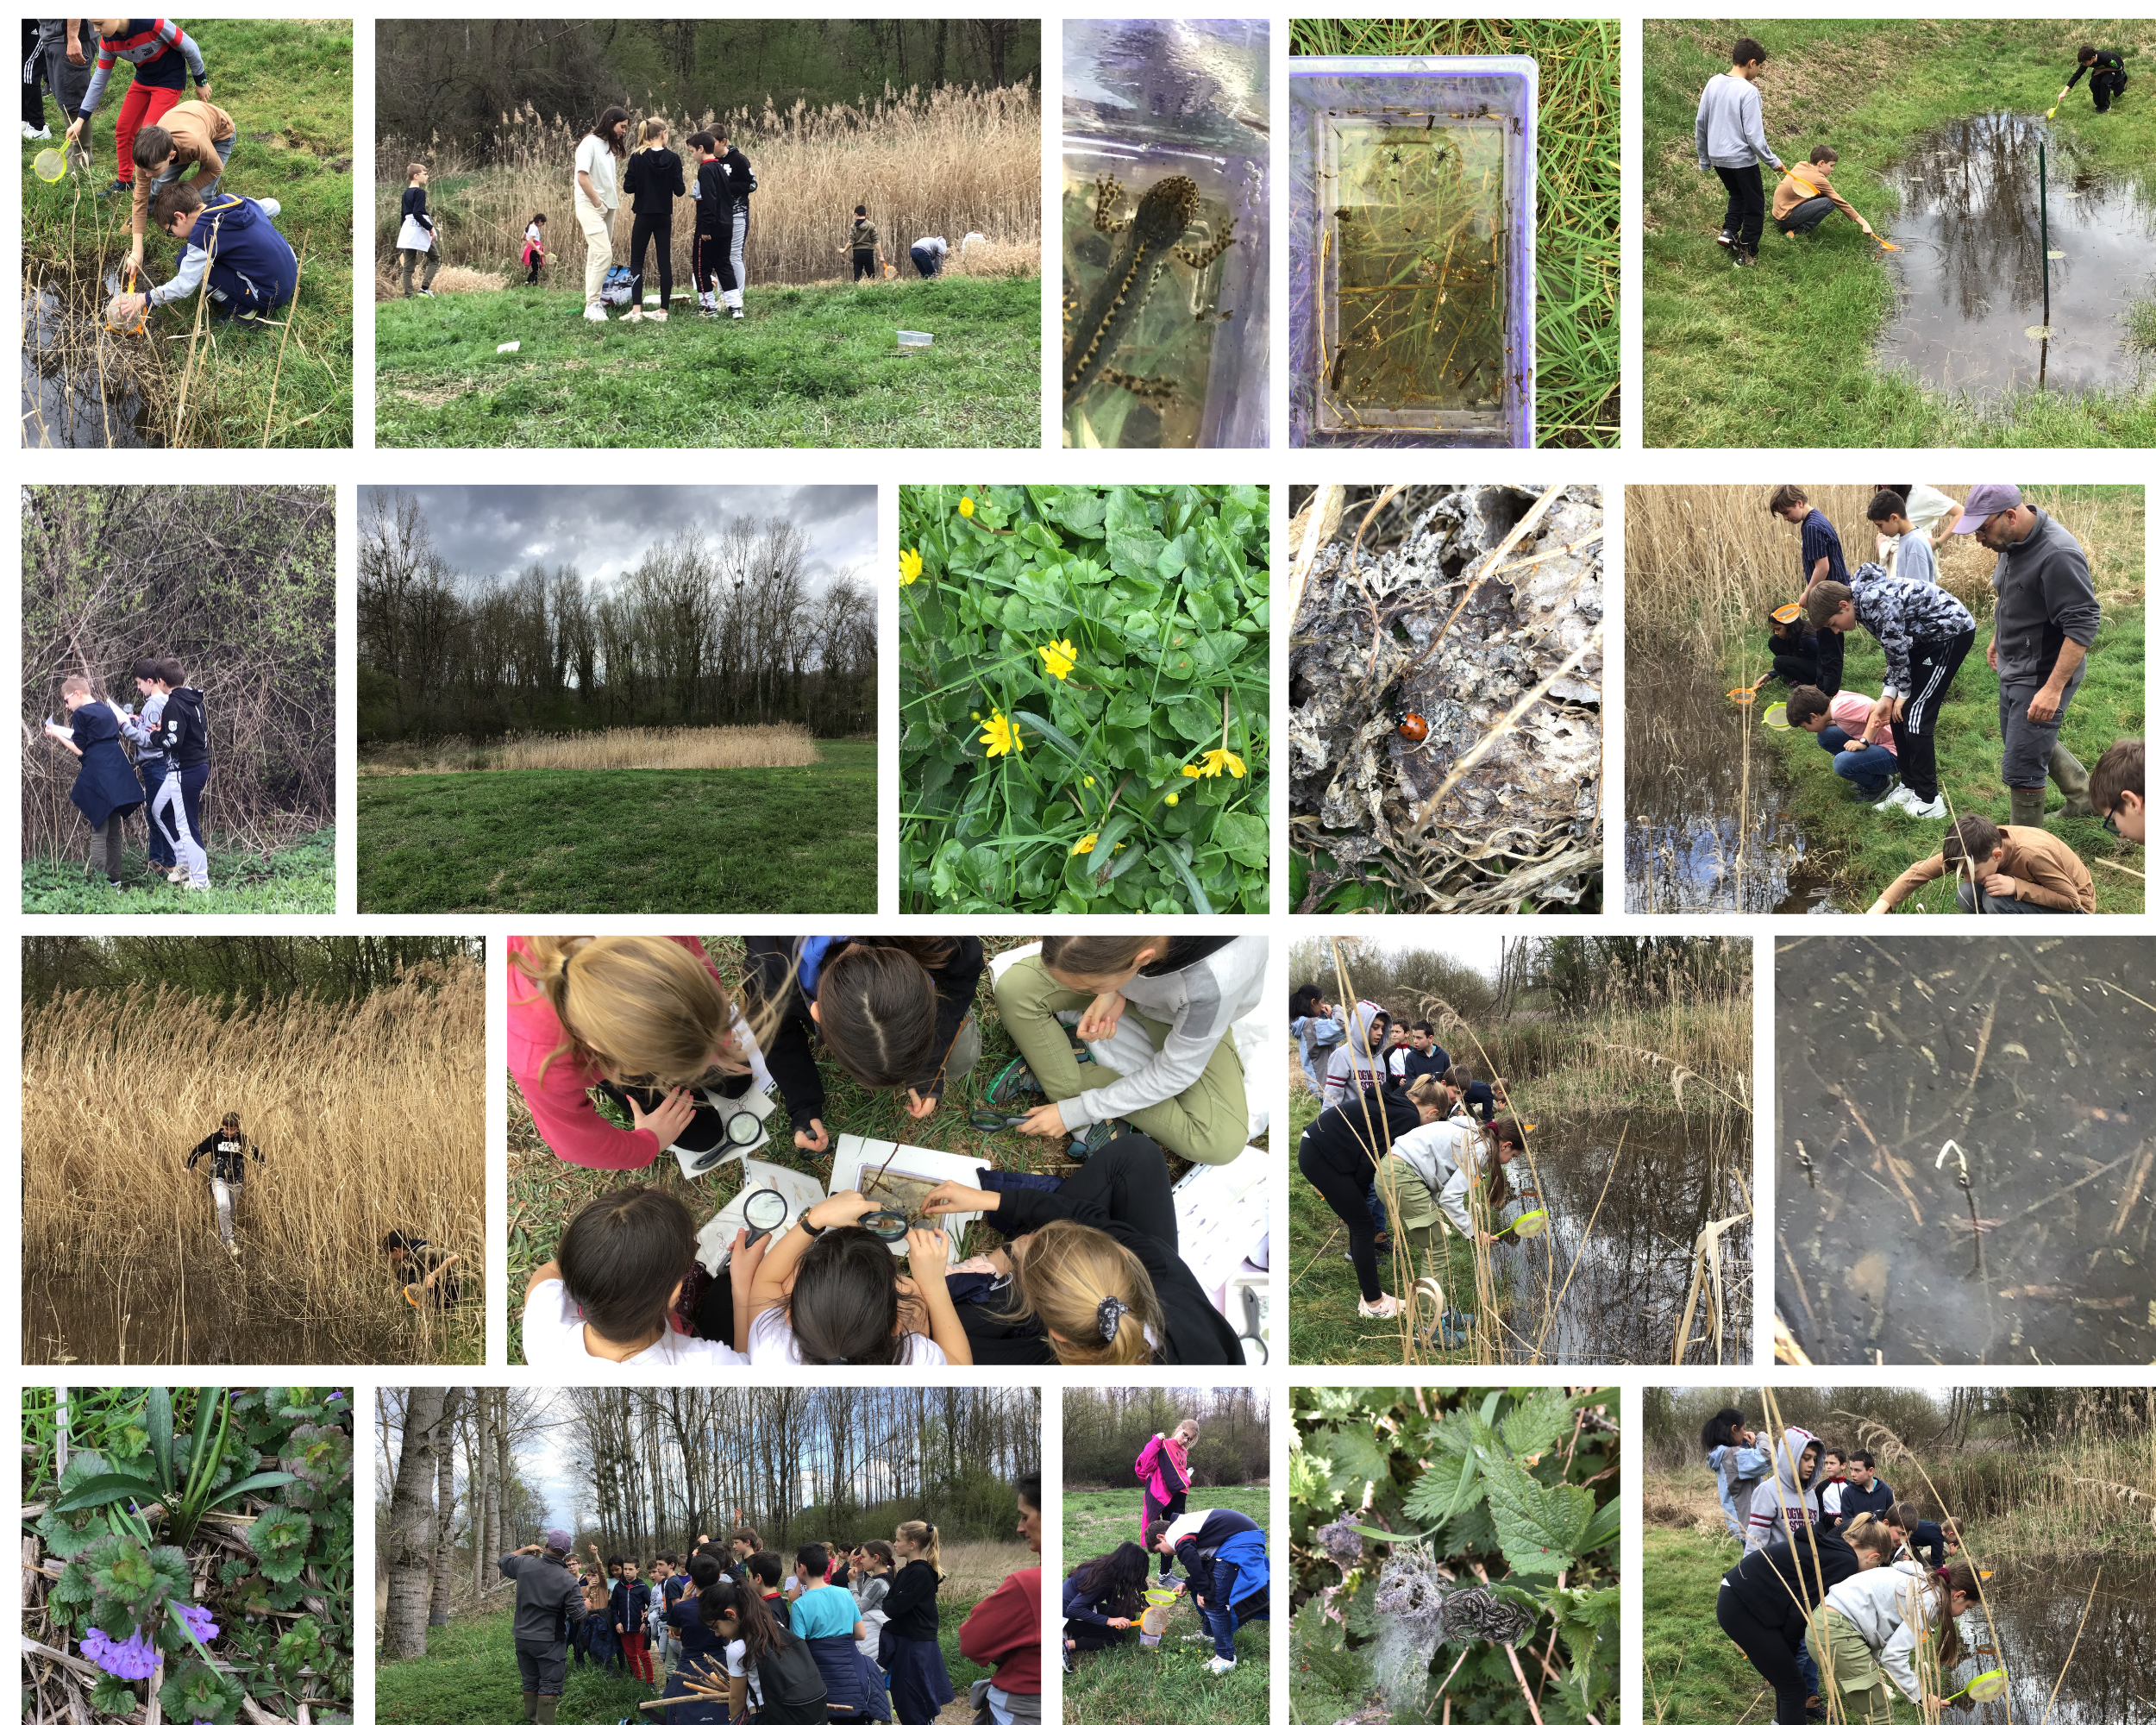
(1878,1625)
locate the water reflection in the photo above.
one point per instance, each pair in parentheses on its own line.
(2035,1058)
(1971,269)
(67,402)
(2037,1610)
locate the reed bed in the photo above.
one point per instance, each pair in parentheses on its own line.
(389,281)
(618,749)
(371,1116)
(948,162)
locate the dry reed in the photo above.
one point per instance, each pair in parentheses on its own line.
(389,282)
(622,748)
(371,1116)
(946,162)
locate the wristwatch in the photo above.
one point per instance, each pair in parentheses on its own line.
(812,1229)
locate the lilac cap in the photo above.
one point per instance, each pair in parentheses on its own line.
(560,1539)
(1984,502)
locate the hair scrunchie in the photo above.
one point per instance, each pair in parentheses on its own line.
(1109,1314)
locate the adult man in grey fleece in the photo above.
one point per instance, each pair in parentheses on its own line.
(548,1601)
(2042,626)
(1732,141)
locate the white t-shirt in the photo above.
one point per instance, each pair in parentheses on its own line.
(531,229)
(1927,507)
(554,1337)
(593,157)
(771,1342)
(737,1666)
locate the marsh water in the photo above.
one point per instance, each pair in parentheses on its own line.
(1659,1178)
(2037,1059)
(1707,825)
(2036,1609)
(67,402)
(1971,270)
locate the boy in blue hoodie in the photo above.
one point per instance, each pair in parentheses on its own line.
(227,242)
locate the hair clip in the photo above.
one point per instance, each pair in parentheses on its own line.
(1110,1314)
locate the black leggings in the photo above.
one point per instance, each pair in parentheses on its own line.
(1346,1190)
(1747,211)
(646,229)
(1772,1653)
(707,250)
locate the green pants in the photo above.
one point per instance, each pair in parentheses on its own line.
(1867,1693)
(1422,1222)
(1209,1122)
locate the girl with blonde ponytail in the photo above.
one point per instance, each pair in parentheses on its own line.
(920,1682)
(646,1018)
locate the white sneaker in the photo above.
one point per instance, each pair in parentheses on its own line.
(1216,1665)
(1934,809)
(595,314)
(1899,797)
(270,207)
(738,314)
(633,315)
(40,136)
(1386,1306)
(656,317)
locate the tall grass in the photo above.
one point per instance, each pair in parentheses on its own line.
(371,1116)
(948,162)
(616,749)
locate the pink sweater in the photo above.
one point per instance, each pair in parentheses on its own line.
(1853,713)
(561,1103)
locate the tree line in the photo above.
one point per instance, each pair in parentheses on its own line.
(1105,1429)
(1565,973)
(245,970)
(457,80)
(722,630)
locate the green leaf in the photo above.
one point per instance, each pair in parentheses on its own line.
(1534,1427)
(157,1420)
(1394,1539)
(260,1481)
(1356,1455)
(1053,736)
(1199,901)
(1450,1486)
(1538,1528)
(106,1490)
(1607,1522)
(1243,837)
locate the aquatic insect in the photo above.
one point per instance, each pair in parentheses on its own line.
(1151,237)
(1413,725)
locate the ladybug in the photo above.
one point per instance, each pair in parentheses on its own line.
(1413,725)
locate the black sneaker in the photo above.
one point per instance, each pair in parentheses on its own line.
(1013,1086)
(125,186)
(1743,257)
(1070,1660)
(1725,238)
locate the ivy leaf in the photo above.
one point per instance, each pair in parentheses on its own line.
(1538,1528)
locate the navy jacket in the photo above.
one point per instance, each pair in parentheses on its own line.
(1855,1503)
(105,784)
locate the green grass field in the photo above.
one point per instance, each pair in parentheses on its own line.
(287,83)
(741,840)
(809,367)
(1168,1685)
(1780,355)
(1577,195)
(301,879)
(1693,1674)
(469,1676)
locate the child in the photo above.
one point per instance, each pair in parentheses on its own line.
(645,1019)
(1871,1627)
(1764,1602)
(928,254)
(1471,1095)
(1338,1153)
(1818,547)
(154,47)
(612,1292)
(1731,141)
(829,1294)
(250,268)
(1833,1469)
(1164,1470)
(1355,1068)
(1796,651)
(105,789)
(1804,196)
(714,223)
(2003,871)
(142,730)
(894,1011)
(1453,1168)
(870,1584)
(1840,723)
(1103,1597)
(764,1569)
(867,249)
(1421,1057)
(697,1650)
(656,1615)
(1926,632)
(193,135)
(423,1273)
(760,1648)
(228,1148)
(1930,511)
(1737,1459)
(2116,788)
(920,1682)
(652,182)
(627,1611)
(183,735)
(741,182)
(1785,1505)
(1924,1542)
(1223,1552)
(1171,1072)
(745,1543)
(535,253)
(2107,77)
(415,236)
(1310,1021)
(1912,560)
(824,1615)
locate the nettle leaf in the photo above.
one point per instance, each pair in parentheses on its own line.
(1584,1616)
(1450,1486)
(1310,1480)
(1538,1528)
(1355,1455)
(1535,1425)
(279,1536)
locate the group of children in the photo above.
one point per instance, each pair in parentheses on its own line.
(2044,620)
(1405,1131)
(171,735)
(1123,1049)
(170,160)
(1837,1577)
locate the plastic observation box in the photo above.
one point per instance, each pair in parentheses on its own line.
(1411,248)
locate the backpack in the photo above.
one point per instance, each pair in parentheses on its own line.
(619,286)
(792,1686)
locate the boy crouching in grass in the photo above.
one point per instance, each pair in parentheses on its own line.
(1840,722)
(2117,788)
(228,243)
(2004,870)
(1805,196)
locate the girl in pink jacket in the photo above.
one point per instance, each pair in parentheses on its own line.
(1163,1472)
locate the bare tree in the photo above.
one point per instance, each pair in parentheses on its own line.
(408,1546)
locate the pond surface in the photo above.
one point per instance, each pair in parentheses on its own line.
(1706,827)
(1630,1274)
(67,403)
(1970,267)
(2035,1058)
(2036,1609)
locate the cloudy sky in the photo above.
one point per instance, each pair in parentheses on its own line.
(603,529)
(553,1474)
(1476,950)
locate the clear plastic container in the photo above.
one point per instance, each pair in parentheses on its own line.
(1411,279)
(1175,115)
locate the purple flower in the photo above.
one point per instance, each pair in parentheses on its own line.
(132,1659)
(198,1619)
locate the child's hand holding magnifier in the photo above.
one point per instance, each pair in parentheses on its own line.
(1045,1121)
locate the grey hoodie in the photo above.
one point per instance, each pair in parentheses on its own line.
(1199,1002)
(2045,599)
(1729,131)
(548,1596)
(1781,1509)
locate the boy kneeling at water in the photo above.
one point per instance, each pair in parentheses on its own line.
(2004,871)
(1839,721)
(1804,196)
(228,240)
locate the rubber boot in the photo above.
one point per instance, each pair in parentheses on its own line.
(2073,780)
(2027,806)
(532,1703)
(547,1703)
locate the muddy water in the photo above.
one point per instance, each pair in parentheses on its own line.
(1705,829)
(1631,1272)
(2036,1609)
(2034,1057)
(1970,267)
(67,405)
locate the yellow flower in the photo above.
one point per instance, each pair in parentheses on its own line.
(1000,735)
(1174,797)
(1084,846)
(909,567)
(1088,778)
(1214,761)
(1191,772)
(1059,657)
(965,507)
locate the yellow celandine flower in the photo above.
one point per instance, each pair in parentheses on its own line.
(1000,735)
(1088,778)
(1215,759)
(1191,772)
(965,507)
(1059,657)
(1084,846)
(1174,797)
(909,567)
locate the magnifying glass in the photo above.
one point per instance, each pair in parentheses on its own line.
(765,1210)
(987,1121)
(1985,1686)
(888,1226)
